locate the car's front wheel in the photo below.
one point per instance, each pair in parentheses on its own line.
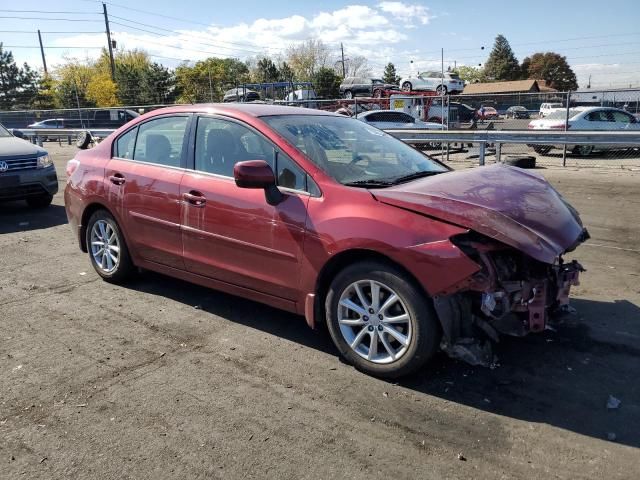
(107,249)
(380,321)
(407,87)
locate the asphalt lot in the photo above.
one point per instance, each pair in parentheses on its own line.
(163,379)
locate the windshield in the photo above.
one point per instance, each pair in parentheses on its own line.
(351,151)
(4,132)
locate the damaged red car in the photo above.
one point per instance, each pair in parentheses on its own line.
(325,216)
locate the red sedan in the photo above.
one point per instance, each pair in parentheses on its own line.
(330,218)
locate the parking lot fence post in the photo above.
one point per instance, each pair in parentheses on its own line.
(566,127)
(498,152)
(448,146)
(481,155)
(68,139)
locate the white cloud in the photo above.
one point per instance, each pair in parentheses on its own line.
(406,12)
(378,32)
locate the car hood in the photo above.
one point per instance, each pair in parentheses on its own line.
(508,204)
(16,147)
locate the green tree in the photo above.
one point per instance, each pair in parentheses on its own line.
(390,75)
(502,64)
(326,83)
(267,71)
(470,74)
(73,79)
(551,67)
(207,80)
(46,97)
(285,73)
(18,85)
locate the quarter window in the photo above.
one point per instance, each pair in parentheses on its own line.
(161,141)
(126,143)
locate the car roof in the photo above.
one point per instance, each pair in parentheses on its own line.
(249,108)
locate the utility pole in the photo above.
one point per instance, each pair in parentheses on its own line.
(44,61)
(344,74)
(106,23)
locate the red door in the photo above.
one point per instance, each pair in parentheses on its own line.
(232,234)
(144,179)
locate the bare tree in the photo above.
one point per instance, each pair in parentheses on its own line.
(357,67)
(306,58)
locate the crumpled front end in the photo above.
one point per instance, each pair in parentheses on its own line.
(512,294)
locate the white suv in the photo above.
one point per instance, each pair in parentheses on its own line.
(547,108)
(433,81)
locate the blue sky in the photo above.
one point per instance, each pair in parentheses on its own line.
(599,39)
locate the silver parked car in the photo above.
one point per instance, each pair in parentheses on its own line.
(585,118)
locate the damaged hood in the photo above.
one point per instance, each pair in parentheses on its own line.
(508,204)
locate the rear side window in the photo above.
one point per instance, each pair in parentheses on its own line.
(126,143)
(161,141)
(622,117)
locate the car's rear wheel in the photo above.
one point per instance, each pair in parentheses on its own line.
(407,87)
(380,321)
(107,248)
(584,150)
(40,201)
(348,94)
(441,90)
(377,93)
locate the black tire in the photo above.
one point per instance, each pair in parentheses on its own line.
(441,90)
(583,150)
(521,161)
(407,87)
(425,328)
(348,94)
(377,93)
(541,149)
(40,201)
(124,266)
(83,140)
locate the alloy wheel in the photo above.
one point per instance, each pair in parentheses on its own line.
(374,321)
(105,246)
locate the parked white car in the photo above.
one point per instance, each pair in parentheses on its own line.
(585,118)
(547,108)
(394,120)
(433,81)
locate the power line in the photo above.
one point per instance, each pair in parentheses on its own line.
(50,19)
(49,11)
(48,31)
(177,32)
(38,46)
(154,13)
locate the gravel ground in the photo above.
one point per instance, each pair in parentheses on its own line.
(163,379)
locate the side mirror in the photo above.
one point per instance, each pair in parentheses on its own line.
(258,174)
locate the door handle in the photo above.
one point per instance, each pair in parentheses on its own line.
(117,179)
(195,198)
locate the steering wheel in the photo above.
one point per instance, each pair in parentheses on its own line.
(359,158)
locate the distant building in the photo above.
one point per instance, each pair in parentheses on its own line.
(514,86)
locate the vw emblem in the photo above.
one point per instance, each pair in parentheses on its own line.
(4,166)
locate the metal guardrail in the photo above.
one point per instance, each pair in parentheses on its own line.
(422,137)
(528,137)
(37,135)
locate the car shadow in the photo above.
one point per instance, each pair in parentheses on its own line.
(561,378)
(19,217)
